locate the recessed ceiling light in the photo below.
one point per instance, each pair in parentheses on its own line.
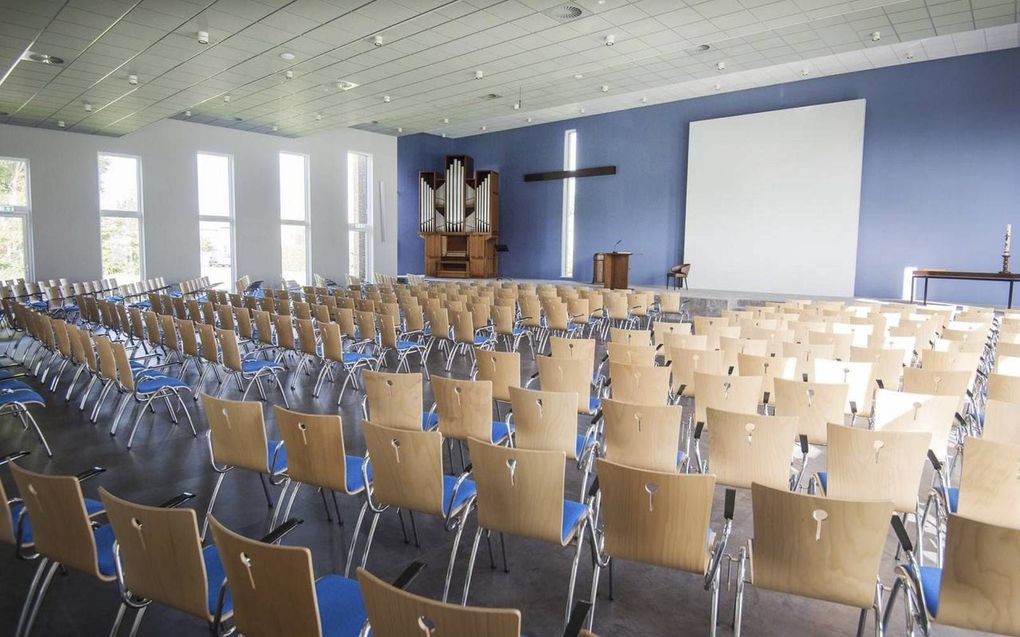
(287,55)
(400,129)
(42,57)
(288,75)
(804,72)
(910,55)
(187,113)
(479,75)
(202,37)
(87,107)
(578,76)
(386,98)
(484,128)
(717,86)
(444,135)
(377,40)
(644,100)
(583,110)
(61,124)
(720,65)
(605,88)
(610,40)
(446,120)
(133,79)
(517,105)
(226,99)
(876,36)
(530,120)
(318,117)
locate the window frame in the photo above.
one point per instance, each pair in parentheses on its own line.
(305,223)
(567,221)
(368,228)
(138,214)
(229,218)
(25,214)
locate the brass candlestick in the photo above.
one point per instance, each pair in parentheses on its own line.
(1005,263)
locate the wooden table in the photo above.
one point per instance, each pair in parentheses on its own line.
(928,274)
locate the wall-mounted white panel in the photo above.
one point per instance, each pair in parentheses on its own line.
(773,200)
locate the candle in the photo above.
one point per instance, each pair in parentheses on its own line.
(1009,235)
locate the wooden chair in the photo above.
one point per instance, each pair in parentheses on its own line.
(160,558)
(662,329)
(978,587)
(815,547)
(747,448)
(643,436)
(1001,422)
(396,613)
(642,384)
(903,411)
(407,474)
(503,370)
(274,590)
(509,329)
(678,275)
(248,371)
(687,363)
(806,356)
(395,400)
(630,354)
(64,535)
(662,519)
(732,348)
(768,368)
(858,376)
(465,410)
(730,393)
(238,440)
(547,421)
(334,355)
(316,456)
(570,375)
(815,405)
(520,492)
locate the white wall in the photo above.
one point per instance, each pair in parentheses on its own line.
(65,197)
(769,193)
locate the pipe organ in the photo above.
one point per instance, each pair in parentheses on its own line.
(458,217)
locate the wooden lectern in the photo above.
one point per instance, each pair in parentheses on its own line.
(615,270)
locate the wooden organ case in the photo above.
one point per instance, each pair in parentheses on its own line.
(459,219)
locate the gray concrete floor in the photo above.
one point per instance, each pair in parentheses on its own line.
(167,460)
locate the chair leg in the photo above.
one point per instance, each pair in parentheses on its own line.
(40,597)
(738,598)
(354,539)
(212,501)
(453,552)
(371,536)
(573,571)
(279,505)
(23,414)
(594,594)
(471,566)
(30,596)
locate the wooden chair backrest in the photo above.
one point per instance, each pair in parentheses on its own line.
(1002,422)
(950,361)
(768,367)
(231,350)
(645,436)
(654,517)
(733,347)
(545,420)
(264,327)
(582,348)
(162,554)
(806,354)
(107,362)
(631,354)
(980,578)
(940,382)
(61,527)
(662,329)
(393,612)
(571,375)
(407,467)
(903,411)
(520,491)
(502,369)
(189,341)
(747,447)
(990,482)
(170,338)
(815,405)
(887,364)
(642,384)
(624,336)
(818,547)
(272,586)
(876,465)
(464,407)
(394,400)
(285,332)
(857,375)
(739,394)
(306,336)
(315,448)
(237,433)
(1003,387)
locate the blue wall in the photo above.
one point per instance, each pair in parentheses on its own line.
(941,176)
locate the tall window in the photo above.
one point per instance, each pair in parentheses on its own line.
(294,222)
(569,163)
(216,218)
(359,215)
(120,209)
(15,208)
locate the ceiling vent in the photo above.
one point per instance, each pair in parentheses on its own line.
(42,57)
(491,96)
(345,85)
(566,12)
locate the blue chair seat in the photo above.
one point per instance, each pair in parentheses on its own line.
(481,340)
(281,457)
(14,384)
(214,576)
(931,586)
(680,455)
(429,421)
(580,447)
(467,489)
(341,607)
(104,550)
(115,298)
(149,384)
(572,514)
(593,404)
(92,507)
(70,307)
(255,365)
(517,331)
(500,431)
(176,294)
(953,498)
(402,345)
(39,305)
(10,396)
(351,358)
(823,479)
(4,374)
(144,305)
(355,481)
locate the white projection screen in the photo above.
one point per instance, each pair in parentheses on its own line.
(773,200)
